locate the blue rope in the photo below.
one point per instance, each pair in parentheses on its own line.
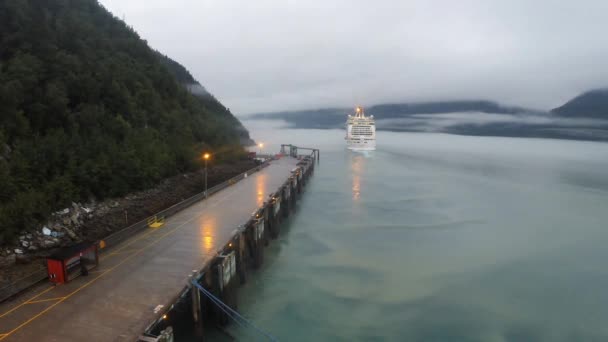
(219,304)
(225,307)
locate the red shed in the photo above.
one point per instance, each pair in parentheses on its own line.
(68,263)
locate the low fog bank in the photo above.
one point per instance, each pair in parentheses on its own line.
(518,124)
(491,124)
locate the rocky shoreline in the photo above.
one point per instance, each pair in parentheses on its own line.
(95,220)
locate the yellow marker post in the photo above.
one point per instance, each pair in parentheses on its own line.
(155,222)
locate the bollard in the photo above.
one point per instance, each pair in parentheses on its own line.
(166,335)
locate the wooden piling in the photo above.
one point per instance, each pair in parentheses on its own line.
(241,257)
(258,242)
(285,196)
(197,313)
(226,284)
(275,217)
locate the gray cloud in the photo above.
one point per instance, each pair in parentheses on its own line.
(275,55)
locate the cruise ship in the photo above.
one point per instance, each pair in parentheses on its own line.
(360,131)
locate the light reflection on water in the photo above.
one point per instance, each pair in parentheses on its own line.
(356,170)
(440,238)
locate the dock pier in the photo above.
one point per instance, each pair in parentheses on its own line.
(242,254)
(147,277)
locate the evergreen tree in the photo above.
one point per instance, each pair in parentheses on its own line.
(87,109)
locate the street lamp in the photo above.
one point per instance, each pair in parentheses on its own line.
(206,157)
(261,146)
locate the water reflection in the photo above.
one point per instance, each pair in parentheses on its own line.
(357,161)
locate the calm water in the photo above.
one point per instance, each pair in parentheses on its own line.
(439,238)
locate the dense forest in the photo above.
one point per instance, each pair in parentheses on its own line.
(88,110)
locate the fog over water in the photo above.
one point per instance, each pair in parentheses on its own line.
(437,237)
(437,122)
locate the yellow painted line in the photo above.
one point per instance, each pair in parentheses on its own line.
(92,281)
(44,300)
(97,271)
(3,336)
(22,304)
(128,244)
(126,251)
(101,258)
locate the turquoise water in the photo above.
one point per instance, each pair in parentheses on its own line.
(439,238)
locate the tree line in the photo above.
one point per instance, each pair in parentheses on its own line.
(89,110)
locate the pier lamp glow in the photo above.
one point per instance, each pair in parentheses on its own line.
(206,157)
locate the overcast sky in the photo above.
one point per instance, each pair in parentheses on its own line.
(267,55)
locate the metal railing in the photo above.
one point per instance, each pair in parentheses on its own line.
(113,239)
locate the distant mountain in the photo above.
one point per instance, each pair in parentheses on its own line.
(482,118)
(591,104)
(335,117)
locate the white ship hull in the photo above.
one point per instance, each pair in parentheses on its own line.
(361,145)
(360,131)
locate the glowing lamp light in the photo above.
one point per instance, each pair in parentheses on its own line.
(206,156)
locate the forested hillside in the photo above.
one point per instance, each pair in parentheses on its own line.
(89,110)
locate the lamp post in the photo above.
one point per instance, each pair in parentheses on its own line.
(206,157)
(261,146)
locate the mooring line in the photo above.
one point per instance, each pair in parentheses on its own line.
(225,307)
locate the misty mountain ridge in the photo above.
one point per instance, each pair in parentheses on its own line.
(334,117)
(592,104)
(210,102)
(471,117)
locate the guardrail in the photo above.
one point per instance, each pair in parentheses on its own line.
(115,238)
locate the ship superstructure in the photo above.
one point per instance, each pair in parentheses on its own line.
(360,131)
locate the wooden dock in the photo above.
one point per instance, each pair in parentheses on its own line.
(128,297)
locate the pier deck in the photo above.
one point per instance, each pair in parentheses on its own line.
(119,299)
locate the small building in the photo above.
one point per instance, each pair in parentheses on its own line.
(70,262)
